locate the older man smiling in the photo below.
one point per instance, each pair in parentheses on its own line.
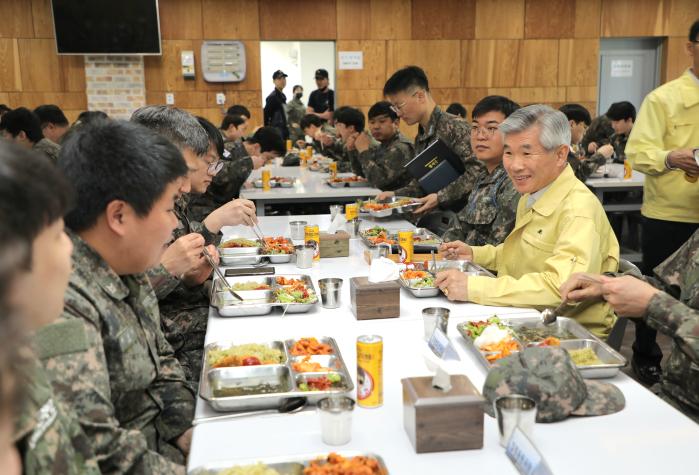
(560,227)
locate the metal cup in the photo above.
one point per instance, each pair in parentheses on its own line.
(353,227)
(380,250)
(334,210)
(513,411)
(336,419)
(434,317)
(297,230)
(304,256)
(330,291)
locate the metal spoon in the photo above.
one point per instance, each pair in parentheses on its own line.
(220,275)
(548,316)
(288,406)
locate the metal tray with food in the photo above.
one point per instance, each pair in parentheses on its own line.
(398,205)
(347,462)
(347,182)
(420,283)
(425,241)
(250,376)
(375,235)
(245,251)
(277,181)
(593,357)
(466,267)
(260,294)
(489,340)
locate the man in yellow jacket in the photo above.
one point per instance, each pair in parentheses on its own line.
(664,144)
(560,228)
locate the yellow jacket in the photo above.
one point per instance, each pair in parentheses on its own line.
(565,231)
(668,120)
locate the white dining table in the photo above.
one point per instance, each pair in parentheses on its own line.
(648,436)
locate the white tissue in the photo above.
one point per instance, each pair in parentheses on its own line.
(441,379)
(337,223)
(383,270)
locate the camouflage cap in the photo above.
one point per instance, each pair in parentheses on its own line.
(550,377)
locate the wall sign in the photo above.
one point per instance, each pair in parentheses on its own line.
(351,59)
(622,68)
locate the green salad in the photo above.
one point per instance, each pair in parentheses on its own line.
(375,231)
(291,295)
(424,282)
(475,329)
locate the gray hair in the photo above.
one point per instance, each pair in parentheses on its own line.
(555,129)
(179,127)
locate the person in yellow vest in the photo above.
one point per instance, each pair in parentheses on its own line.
(560,228)
(664,144)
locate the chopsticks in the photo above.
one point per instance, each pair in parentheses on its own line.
(220,275)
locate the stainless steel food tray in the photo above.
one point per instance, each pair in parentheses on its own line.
(282,375)
(418,247)
(397,210)
(420,292)
(276,183)
(285,465)
(256,302)
(467,267)
(348,184)
(244,256)
(613,361)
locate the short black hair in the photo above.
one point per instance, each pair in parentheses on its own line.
(297,86)
(382,108)
(176,125)
(214,135)
(694,31)
(51,114)
(405,79)
(270,140)
(22,120)
(458,110)
(621,111)
(33,195)
(232,119)
(87,117)
(310,119)
(238,109)
(117,160)
(350,116)
(4,108)
(576,113)
(502,104)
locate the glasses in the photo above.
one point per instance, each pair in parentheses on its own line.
(215,167)
(398,107)
(487,132)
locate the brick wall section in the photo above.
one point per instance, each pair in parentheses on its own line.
(115,84)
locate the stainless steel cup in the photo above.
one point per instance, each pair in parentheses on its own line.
(380,250)
(297,230)
(304,256)
(336,419)
(330,292)
(353,227)
(513,411)
(434,317)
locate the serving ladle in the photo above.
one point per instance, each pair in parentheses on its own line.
(288,406)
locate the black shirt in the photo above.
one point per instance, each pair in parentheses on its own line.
(274,115)
(321,101)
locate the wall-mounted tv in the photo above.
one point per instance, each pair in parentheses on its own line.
(106,26)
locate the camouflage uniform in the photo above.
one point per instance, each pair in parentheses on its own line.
(599,131)
(456,134)
(549,376)
(586,166)
(48,148)
(489,215)
(295,110)
(184,310)
(47,434)
(348,160)
(108,359)
(224,187)
(383,165)
(236,150)
(675,312)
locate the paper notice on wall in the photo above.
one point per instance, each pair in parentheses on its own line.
(622,68)
(351,60)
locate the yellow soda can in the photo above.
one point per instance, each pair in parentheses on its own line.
(312,238)
(266,176)
(351,211)
(370,371)
(333,169)
(405,242)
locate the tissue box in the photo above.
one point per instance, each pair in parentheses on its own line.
(438,421)
(334,245)
(374,300)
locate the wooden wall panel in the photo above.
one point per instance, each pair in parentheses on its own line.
(164,73)
(358,97)
(677,59)
(353,19)
(39,65)
(489,63)
(499,19)
(231,19)
(549,18)
(632,18)
(678,16)
(581,94)
(373,76)
(391,20)
(588,15)
(441,59)
(72,73)
(66,100)
(16,20)
(180,19)
(300,20)
(10,75)
(447,19)
(537,64)
(42,19)
(578,62)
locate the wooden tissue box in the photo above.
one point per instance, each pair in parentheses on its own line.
(334,245)
(374,300)
(438,421)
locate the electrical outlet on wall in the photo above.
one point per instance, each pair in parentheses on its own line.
(220,98)
(169,98)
